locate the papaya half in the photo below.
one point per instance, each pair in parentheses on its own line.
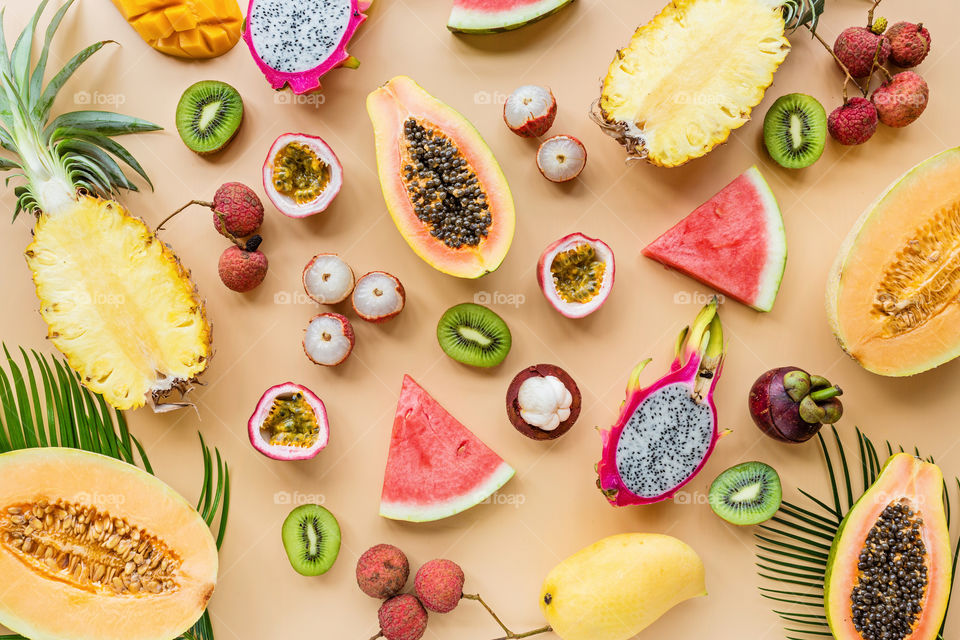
(441,183)
(892,295)
(92,548)
(889,572)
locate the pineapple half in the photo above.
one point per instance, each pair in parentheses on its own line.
(117,302)
(692,75)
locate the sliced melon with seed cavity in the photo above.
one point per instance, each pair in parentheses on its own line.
(892,296)
(96,549)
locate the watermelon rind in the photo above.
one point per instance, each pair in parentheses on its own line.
(463,20)
(772,274)
(416,512)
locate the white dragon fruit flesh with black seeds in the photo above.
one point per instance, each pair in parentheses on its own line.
(667,431)
(664,441)
(294,42)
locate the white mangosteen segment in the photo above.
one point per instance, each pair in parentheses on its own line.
(328,339)
(378,296)
(328,279)
(561,158)
(530,110)
(544,402)
(286,204)
(261,438)
(602,253)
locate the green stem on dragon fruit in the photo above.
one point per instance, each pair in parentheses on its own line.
(849,77)
(510,635)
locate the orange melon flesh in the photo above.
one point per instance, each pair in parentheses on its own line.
(921,485)
(893,292)
(389,107)
(49,603)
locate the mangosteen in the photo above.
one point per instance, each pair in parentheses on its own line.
(543,402)
(790,405)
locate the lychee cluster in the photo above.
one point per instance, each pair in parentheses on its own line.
(382,573)
(863,53)
(237,216)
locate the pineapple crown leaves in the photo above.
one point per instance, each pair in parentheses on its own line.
(793,548)
(43,404)
(797,13)
(74,150)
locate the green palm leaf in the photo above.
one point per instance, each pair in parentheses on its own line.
(793,554)
(43,404)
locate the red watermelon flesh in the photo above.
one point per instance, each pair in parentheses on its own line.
(436,466)
(492,16)
(734,242)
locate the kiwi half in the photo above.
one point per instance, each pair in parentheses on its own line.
(795,130)
(208,116)
(474,335)
(748,493)
(311,538)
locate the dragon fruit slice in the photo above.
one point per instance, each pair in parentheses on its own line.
(294,42)
(667,431)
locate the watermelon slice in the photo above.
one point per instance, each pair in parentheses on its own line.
(734,242)
(436,467)
(493,16)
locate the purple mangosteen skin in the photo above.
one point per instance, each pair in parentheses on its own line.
(775,412)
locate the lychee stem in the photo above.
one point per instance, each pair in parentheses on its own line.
(510,635)
(876,64)
(202,203)
(870,13)
(379,635)
(849,77)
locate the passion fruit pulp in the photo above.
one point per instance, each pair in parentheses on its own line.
(289,423)
(576,274)
(301,175)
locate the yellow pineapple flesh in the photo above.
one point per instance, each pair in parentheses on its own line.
(691,76)
(118,303)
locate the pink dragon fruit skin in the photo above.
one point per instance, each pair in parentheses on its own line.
(692,378)
(300,80)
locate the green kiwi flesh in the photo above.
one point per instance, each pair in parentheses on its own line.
(311,538)
(795,130)
(474,335)
(208,116)
(748,493)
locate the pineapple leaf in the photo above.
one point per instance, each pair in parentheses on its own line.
(4,52)
(101,158)
(20,58)
(45,102)
(102,141)
(791,554)
(36,80)
(104,122)
(77,418)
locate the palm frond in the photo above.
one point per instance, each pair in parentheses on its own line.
(44,404)
(791,550)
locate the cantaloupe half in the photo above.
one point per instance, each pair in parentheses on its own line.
(92,548)
(892,296)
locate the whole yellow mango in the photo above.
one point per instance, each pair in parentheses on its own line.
(185,28)
(618,586)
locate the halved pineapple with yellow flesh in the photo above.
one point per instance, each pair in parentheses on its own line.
(118,303)
(691,76)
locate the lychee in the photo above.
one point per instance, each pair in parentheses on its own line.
(378,296)
(243,268)
(237,210)
(530,111)
(561,158)
(854,122)
(402,618)
(909,44)
(439,585)
(382,571)
(879,25)
(329,339)
(902,99)
(856,48)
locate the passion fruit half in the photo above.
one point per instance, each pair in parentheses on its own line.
(543,402)
(289,423)
(301,175)
(576,274)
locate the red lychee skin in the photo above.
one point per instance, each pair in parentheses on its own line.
(909,44)
(856,47)
(537,126)
(853,123)
(901,100)
(402,618)
(237,209)
(439,585)
(382,571)
(242,270)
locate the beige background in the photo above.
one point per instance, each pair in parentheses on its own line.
(552,507)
